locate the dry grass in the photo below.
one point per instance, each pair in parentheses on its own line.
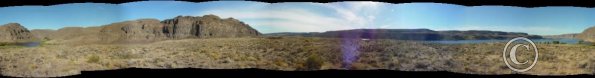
(286,53)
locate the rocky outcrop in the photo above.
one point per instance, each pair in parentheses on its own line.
(588,34)
(180,27)
(136,30)
(14,32)
(143,30)
(413,34)
(207,26)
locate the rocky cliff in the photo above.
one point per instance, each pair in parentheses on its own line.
(143,30)
(14,32)
(588,34)
(207,26)
(180,27)
(135,30)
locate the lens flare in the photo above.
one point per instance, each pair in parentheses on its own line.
(349,48)
(350,45)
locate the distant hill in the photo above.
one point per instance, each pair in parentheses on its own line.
(573,35)
(42,33)
(14,32)
(412,34)
(588,34)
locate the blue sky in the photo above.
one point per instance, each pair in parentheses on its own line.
(315,17)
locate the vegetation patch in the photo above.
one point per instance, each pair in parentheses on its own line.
(93,59)
(314,62)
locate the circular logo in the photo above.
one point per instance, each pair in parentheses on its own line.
(512,54)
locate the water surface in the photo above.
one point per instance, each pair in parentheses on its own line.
(29,44)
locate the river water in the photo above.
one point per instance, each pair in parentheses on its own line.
(29,44)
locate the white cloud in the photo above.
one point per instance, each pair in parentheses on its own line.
(352,15)
(294,20)
(361,14)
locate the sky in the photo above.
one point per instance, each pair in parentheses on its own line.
(315,17)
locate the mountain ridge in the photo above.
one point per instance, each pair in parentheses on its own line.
(412,34)
(588,34)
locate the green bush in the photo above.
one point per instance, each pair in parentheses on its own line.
(3,44)
(556,42)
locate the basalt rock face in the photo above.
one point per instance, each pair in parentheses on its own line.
(14,32)
(588,35)
(180,27)
(208,26)
(148,30)
(131,31)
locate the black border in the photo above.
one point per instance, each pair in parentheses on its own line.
(252,72)
(193,72)
(517,3)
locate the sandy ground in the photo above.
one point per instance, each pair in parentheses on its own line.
(288,53)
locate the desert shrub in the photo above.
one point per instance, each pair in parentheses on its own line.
(420,66)
(556,42)
(358,66)
(281,63)
(274,37)
(9,45)
(93,59)
(314,62)
(5,44)
(589,66)
(125,55)
(46,38)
